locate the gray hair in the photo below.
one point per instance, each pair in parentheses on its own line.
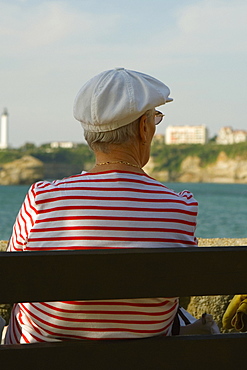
(100,141)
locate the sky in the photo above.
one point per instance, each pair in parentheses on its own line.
(49,49)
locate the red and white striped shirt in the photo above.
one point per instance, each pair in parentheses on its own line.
(113,209)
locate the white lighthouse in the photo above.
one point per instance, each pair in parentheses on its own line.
(4,130)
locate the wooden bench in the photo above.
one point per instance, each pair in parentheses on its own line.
(131,273)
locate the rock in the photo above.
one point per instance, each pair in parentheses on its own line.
(162,175)
(5,312)
(3,245)
(191,170)
(214,305)
(25,170)
(226,170)
(223,170)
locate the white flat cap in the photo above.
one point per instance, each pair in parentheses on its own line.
(117,97)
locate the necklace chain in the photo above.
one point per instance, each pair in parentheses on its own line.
(114,162)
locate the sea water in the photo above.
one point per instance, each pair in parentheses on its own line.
(222,208)
(11,198)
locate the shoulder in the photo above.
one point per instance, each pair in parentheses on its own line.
(55,185)
(185,196)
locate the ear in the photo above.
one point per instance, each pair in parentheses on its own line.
(143,128)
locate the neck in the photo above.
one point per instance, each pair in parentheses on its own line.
(117,162)
(107,164)
(124,157)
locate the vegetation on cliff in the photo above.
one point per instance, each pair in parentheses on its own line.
(79,156)
(165,157)
(170,157)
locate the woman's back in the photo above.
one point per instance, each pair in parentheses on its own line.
(113,209)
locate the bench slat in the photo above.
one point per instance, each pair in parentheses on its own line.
(191,352)
(115,274)
(132,273)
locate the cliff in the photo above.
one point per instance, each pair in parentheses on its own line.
(223,170)
(25,170)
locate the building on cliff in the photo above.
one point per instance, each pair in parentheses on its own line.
(227,136)
(186,135)
(4,130)
(62,144)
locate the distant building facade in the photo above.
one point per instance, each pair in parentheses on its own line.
(186,135)
(227,136)
(62,144)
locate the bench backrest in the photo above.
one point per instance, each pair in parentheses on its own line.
(130,273)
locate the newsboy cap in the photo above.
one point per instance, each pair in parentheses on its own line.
(117,97)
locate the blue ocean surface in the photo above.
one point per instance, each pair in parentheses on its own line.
(222,208)
(11,198)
